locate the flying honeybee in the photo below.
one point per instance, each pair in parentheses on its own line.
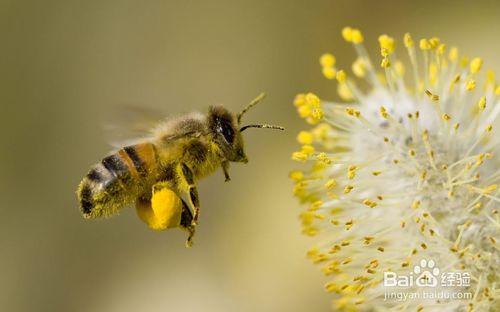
(159,174)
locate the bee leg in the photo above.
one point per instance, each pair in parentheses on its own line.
(162,209)
(186,224)
(225,168)
(193,192)
(193,195)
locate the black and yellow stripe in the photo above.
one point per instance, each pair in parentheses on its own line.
(117,180)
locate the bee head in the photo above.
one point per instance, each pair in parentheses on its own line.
(224,127)
(227,130)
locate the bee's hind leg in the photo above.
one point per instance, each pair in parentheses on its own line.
(192,192)
(162,209)
(187,224)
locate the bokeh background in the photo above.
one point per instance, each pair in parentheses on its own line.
(64,64)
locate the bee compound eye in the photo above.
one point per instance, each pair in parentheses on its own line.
(226,130)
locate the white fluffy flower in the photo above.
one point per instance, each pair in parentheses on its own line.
(403,172)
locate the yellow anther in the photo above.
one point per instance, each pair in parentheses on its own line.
(433,97)
(312,99)
(348,225)
(482,103)
(344,92)
(327,60)
(411,153)
(315,205)
(357,36)
(369,203)
(348,189)
(408,40)
(385,63)
(323,158)
(441,49)
(330,184)
(320,258)
(497,90)
(359,68)
(307,149)
(425,135)
(328,72)
(300,99)
(351,175)
(317,114)
(489,189)
(296,175)
(347,34)
(299,189)
(304,111)
(423,245)
(415,204)
(374,262)
(386,42)
(331,287)
(299,156)
(434,42)
(453,55)
(376,173)
(470,85)
(383,112)
(424,44)
(456,126)
(305,137)
(381,249)
(445,117)
(341,76)
(475,65)
(353,112)
(371,271)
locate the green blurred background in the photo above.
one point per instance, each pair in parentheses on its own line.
(65,64)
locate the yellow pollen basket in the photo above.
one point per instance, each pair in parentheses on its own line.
(164,211)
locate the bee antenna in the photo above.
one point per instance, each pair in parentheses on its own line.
(261,126)
(254,102)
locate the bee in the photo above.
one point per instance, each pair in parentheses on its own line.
(159,174)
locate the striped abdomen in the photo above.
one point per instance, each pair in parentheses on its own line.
(117,180)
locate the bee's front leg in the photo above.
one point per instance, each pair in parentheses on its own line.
(225,168)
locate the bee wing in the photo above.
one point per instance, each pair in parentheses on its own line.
(130,124)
